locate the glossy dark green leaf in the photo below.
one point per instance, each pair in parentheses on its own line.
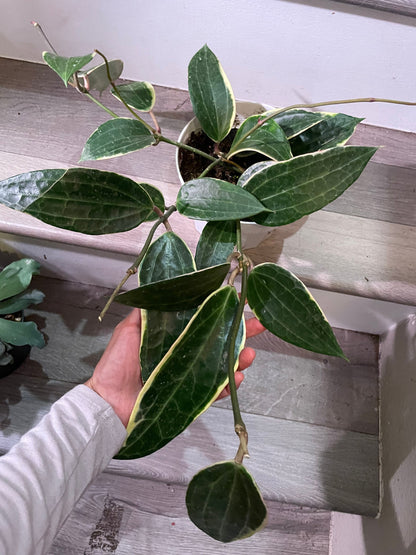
(117,137)
(79,199)
(21,301)
(157,199)
(20,191)
(178,293)
(96,79)
(16,277)
(286,308)
(20,333)
(215,200)
(66,67)
(294,122)
(251,170)
(211,94)
(269,139)
(333,130)
(216,243)
(304,184)
(140,95)
(166,258)
(187,380)
(224,502)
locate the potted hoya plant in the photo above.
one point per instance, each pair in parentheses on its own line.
(17,336)
(271,169)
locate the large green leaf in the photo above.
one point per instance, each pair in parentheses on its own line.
(16,277)
(216,243)
(269,139)
(20,191)
(20,333)
(187,380)
(178,293)
(215,200)
(21,301)
(224,502)
(333,130)
(97,77)
(66,67)
(139,95)
(211,94)
(79,199)
(286,308)
(294,122)
(117,137)
(166,258)
(304,184)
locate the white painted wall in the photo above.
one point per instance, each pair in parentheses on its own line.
(394,533)
(289,51)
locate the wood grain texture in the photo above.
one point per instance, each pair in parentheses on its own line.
(288,382)
(314,463)
(124,515)
(363,244)
(402,7)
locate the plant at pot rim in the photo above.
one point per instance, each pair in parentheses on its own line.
(14,299)
(193,326)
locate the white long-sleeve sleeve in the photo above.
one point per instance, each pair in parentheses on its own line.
(44,475)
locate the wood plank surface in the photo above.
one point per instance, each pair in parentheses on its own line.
(362,244)
(402,7)
(299,455)
(124,515)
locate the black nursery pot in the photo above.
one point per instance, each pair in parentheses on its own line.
(18,352)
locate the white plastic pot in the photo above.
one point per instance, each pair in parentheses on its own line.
(252,234)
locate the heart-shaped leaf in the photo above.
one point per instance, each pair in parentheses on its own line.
(66,67)
(140,95)
(211,94)
(286,308)
(294,122)
(333,130)
(97,78)
(269,139)
(224,502)
(216,243)
(167,257)
(187,380)
(297,187)
(79,199)
(117,137)
(21,301)
(178,293)
(21,333)
(16,277)
(215,200)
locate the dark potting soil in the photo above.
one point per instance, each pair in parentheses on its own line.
(191,165)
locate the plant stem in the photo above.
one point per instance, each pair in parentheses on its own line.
(129,108)
(163,139)
(133,268)
(278,111)
(91,97)
(43,35)
(209,168)
(239,425)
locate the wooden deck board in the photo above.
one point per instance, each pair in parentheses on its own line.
(362,244)
(300,455)
(127,515)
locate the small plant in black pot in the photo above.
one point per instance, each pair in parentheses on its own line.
(17,336)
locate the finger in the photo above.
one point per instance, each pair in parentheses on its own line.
(253,327)
(246,358)
(239,377)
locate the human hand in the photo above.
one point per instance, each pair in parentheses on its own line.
(117,376)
